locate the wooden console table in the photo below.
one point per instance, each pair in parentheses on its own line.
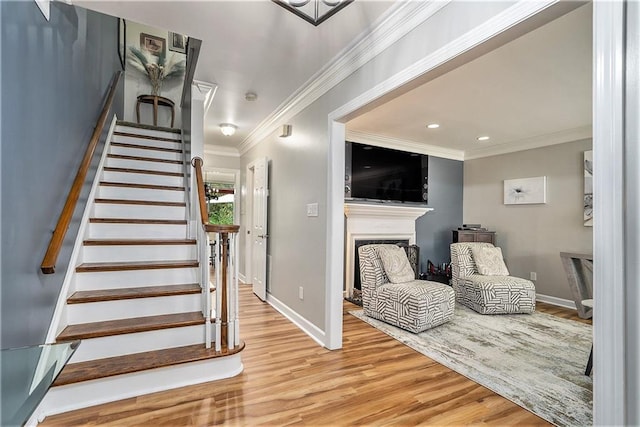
(155,100)
(579,269)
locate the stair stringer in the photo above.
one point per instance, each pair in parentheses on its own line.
(59,319)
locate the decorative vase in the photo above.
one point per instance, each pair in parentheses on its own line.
(156,87)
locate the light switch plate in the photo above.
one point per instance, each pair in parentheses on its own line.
(312,209)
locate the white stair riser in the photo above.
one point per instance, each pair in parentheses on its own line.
(133,193)
(148,132)
(118,253)
(139,152)
(137,231)
(118,345)
(90,393)
(138,307)
(142,178)
(142,164)
(92,281)
(116,210)
(147,142)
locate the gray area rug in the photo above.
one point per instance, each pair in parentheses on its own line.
(535,360)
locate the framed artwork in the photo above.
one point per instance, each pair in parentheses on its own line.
(525,191)
(588,189)
(177,42)
(154,45)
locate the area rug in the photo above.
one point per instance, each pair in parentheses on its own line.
(537,360)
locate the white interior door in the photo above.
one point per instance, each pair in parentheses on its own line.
(259,228)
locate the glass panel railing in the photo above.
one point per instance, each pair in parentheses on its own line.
(27,374)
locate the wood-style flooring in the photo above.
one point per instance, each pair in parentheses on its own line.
(290,379)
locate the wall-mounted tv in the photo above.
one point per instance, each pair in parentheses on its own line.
(385,175)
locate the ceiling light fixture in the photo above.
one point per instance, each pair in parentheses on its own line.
(314,12)
(228,129)
(250,96)
(433,126)
(483,138)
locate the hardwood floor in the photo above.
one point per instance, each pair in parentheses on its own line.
(289,379)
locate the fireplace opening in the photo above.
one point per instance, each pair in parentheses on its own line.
(362,242)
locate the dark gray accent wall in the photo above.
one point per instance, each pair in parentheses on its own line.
(433,230)
(55,76)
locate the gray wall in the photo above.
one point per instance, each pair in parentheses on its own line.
(299,165)
(532,236)
(433,230)
(54,80)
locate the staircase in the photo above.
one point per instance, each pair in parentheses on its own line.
(135,299)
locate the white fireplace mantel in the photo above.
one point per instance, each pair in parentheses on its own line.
(377,222)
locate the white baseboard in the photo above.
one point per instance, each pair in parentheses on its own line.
(560,302)
(307,327)
(242,279)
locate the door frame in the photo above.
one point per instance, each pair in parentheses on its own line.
(611,403)
(248,220)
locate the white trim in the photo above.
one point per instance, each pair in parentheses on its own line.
(203,91)
(560,302)
(305,326)
(389,28)
(569,135)
(609,236)
(242,279)
(45,8)
(404,145)
(96,392)
(59,319)
(221,150)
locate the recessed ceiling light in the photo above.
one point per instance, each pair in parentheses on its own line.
(433,126)
(483,138)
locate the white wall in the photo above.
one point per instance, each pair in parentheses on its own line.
(299,165)
(136,83)
(532,236)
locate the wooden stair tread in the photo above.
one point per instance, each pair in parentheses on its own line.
(101,368)
(125,123)
(80,297)
(144,159)
(138,242)
(134,265)
(155,138)
(129,326)
(146,147)
(143,186)
(139,202)
(137,221)
(142,171)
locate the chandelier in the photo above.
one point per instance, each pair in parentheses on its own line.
(313,11)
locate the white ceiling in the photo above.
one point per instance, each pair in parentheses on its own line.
(250,46)
(533,91)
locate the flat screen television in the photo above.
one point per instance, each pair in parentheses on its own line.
(385,175)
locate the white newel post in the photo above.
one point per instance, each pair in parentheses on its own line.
(377,222)
(201,97)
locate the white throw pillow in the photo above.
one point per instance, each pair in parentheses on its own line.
(396,264)
(489,261)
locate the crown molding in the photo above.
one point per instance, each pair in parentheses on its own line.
(399,20)
(203,91)
(221,150)
(404,145)
(569,135)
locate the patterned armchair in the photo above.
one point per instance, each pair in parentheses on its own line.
(415,305)
(488,294)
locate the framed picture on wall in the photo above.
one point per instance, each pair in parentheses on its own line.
(154,45)
(177,42)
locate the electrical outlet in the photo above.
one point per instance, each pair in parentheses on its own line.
(533,275)
(312,209)
(301,292)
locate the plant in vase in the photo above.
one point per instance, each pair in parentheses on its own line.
(157,69)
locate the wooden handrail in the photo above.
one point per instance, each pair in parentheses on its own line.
(196,162)
(48,265)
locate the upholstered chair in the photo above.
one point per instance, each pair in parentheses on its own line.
(414,305)
(488,293)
